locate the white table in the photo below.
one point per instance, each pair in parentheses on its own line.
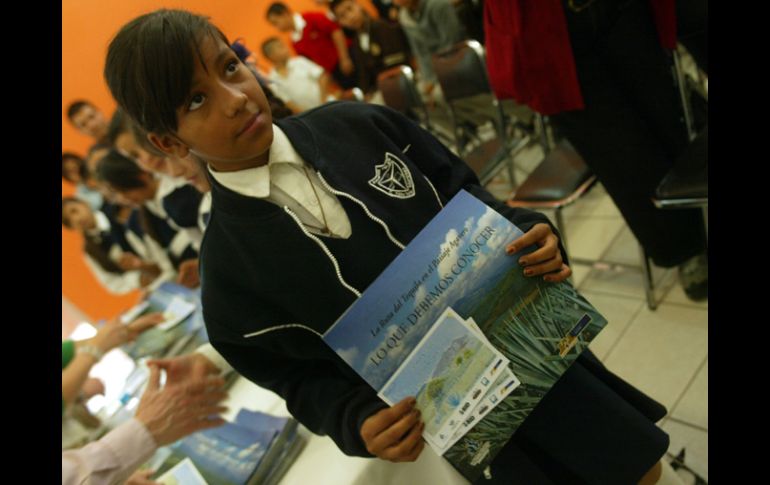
(322,463)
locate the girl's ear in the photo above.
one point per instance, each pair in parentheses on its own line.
(169,144)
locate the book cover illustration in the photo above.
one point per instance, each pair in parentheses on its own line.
(448,372)
(225,455)
(180,299)
(458,260)
(184,473)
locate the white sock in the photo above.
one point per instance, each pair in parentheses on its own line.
(669,475)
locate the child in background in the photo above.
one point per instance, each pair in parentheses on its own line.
(319,39)
(110,256)
(168,211)
(300,225)
(75,171)
(121,136)
(88,120)
(379,44)
(299,82)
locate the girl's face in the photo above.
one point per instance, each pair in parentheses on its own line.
(192,170)
(90,121)
(226,118)
(72,171)
(80,216)
(126,143)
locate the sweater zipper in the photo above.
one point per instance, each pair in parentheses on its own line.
(366,209)
(438,199)
(325,250)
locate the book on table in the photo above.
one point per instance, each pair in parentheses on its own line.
(255,449)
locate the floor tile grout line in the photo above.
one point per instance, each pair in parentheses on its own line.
(687,423)
(625,330)
(688,385)
(606,249)
(691,306)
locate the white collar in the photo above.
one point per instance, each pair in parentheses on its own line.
(255,182)
(299,26)
(102,224)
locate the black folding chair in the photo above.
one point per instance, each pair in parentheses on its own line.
(462,74)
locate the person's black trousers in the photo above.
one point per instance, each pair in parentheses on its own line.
(632,127)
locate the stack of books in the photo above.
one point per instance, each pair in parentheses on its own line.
(256,448)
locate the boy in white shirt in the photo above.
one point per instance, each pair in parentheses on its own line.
(299,82)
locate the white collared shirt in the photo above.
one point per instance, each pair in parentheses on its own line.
(300,85)
(287,180)
(102,224)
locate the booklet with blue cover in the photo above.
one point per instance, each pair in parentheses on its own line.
(454,322)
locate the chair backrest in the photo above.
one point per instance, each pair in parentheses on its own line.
(461,70)
(400,92)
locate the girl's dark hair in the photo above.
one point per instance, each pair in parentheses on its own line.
(82,168)
(150,65)
(119,171)
(91,247)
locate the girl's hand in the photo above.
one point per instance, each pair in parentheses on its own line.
(395,433)
(546,260)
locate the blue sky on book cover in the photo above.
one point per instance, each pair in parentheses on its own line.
(461,251)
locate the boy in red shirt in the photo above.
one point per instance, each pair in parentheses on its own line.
(319,39)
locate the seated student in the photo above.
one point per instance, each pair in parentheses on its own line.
(109,254)
(379,44)
(299,82)
(88,120)
(120,135)
(430,26)
(319,39)
(168,211)
(298,229)
(75,171)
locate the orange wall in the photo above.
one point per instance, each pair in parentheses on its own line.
(87,27)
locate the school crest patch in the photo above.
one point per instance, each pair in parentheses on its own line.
(393,178)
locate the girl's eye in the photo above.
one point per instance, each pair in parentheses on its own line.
(232,67)
(196,102)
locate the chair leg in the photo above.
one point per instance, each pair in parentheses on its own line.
(649,288)
(683,95)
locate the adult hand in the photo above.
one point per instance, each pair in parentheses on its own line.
(143,323)
(141,477)
(112,334)
(186,368)
(91,387)
(174,411)
(395,433)
(547,259)
(188,273)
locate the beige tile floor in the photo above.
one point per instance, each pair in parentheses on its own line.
(663,352)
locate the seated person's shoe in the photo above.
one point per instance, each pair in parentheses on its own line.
(694,277)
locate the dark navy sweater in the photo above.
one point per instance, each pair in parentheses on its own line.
(269,288)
